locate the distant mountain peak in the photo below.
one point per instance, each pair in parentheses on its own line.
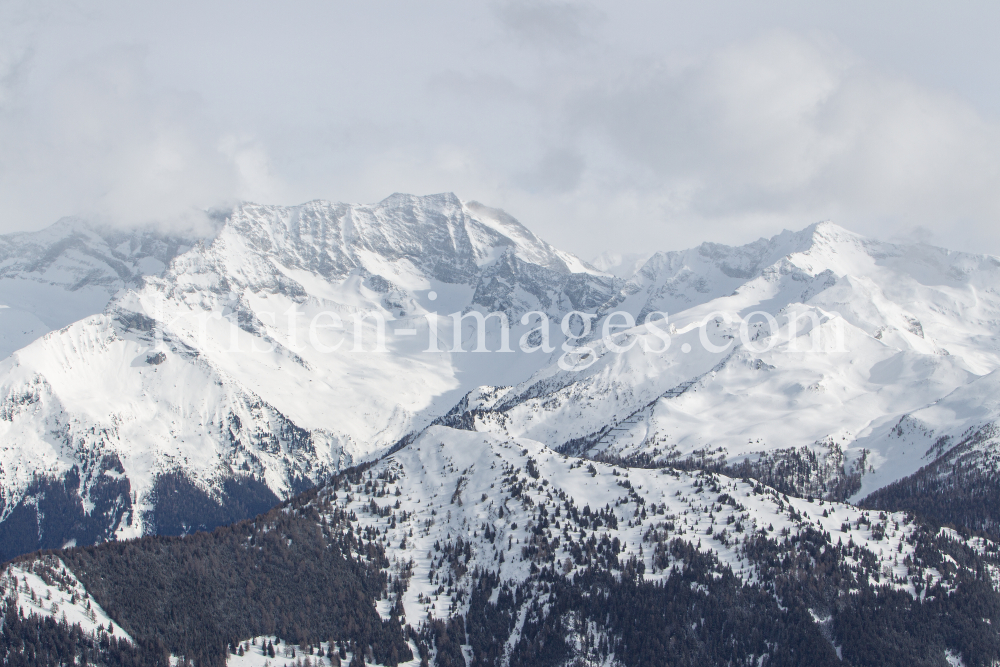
(439,235)
(155,385)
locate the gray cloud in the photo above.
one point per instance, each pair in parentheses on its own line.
(97,140)
(547,23)
(787,128)
(656,125)
(558,171)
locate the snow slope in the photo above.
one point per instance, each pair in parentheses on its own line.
(243,359)
(455,508)
(303,339)
(518,505)
(46,587)
(860,334)
(964,424)
(54,277)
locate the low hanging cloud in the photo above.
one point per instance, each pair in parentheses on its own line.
(547,25)
(774,132)
(544,108)
(96,140)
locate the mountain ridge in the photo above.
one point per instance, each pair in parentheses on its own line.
(177,352)
(282,442)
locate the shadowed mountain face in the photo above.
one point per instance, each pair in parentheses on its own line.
(212,377)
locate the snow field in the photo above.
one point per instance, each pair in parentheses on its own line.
(450,485)
(901,351)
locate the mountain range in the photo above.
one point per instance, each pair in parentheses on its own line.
(430,382)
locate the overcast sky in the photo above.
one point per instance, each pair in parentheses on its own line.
(627,126)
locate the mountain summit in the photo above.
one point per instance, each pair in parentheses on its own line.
(422,435)
(210,380)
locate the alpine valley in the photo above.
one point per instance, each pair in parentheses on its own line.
(415,433)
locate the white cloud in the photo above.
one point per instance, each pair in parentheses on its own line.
(94,138)
(596,131)
(787,129)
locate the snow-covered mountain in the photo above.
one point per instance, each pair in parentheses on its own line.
(255,365)
(538,503)
(54,277)
(303,339)
(860,334)
(483,550)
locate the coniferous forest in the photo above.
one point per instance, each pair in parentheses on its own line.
(308,577)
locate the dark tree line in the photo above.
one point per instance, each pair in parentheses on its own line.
(35,641)
(305,573)
(701,615)
(181,508)
(704,615)
(961,488)
(51,512)
(289,573)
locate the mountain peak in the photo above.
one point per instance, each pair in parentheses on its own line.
(827,232)
(829,228)
(440,199)
(440,236)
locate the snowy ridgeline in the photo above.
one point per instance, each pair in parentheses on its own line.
(877,355)
(454,501)
(56,276)
(455,508)
(45,587)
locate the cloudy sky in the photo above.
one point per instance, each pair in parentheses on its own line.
(627,126)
